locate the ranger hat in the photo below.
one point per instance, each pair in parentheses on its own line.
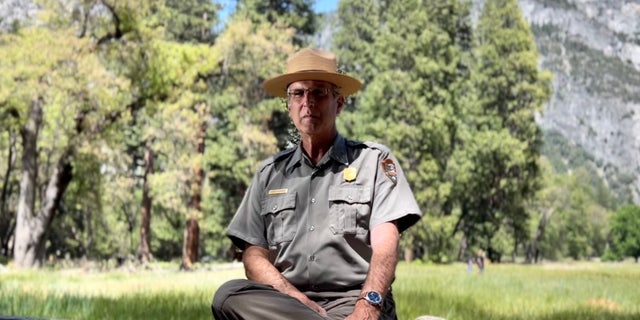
(312,64)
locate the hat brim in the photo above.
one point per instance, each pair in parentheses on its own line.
(277,86)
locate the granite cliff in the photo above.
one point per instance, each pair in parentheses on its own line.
(593,50)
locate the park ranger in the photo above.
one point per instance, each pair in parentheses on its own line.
(319,226)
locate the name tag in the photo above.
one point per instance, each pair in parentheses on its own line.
(278,191)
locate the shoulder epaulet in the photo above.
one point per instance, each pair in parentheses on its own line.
(354,143)
(275,158)
(384,150)
(378,146)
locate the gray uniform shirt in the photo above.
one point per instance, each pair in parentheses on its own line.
(316,220)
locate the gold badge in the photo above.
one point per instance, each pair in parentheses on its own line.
(350,174)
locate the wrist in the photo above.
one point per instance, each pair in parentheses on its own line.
(366,310)
(371,298)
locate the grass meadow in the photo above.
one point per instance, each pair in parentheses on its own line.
(510,291)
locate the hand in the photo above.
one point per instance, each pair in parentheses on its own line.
(316,307)
(258,268)
(309,303)
(364,311)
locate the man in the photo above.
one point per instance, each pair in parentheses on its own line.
(320,223)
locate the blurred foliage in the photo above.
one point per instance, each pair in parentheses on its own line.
(625,233)
(454,102)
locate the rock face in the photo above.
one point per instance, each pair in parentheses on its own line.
(593,49)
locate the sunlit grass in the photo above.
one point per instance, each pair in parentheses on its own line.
(554,291)
(78,294)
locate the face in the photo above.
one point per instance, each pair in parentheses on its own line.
(313,107)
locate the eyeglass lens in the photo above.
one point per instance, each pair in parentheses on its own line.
(316,93)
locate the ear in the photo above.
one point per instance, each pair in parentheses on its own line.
(340,103)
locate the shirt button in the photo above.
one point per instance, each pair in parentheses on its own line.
(350,197)
(313,200)
(312,228)
(275,207)
(312,258)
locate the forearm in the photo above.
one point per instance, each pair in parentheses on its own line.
(258,268)
(382,268)
(383,260)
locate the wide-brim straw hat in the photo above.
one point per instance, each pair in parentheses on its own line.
(312,64)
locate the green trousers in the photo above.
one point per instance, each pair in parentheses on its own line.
(248,300)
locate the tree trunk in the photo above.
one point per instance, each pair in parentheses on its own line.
(144,250)
(533,251)
(463,250)
(191,241)
(190,244)
(25,243)
(7,216)
(31,229)
(408,254)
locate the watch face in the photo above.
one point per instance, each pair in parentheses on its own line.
(374,297)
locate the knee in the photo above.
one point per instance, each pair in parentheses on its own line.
(230,287)
(227,289)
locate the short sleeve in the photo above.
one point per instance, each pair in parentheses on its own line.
(393,198)
(247,225)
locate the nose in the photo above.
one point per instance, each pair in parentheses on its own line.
(308,99)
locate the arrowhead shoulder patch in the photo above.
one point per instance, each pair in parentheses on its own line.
(389,169)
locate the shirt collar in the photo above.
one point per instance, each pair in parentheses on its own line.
(337,152)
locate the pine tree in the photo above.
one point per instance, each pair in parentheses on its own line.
(413,57)
(191,20)
(295,14)
(503,152)
(247,125)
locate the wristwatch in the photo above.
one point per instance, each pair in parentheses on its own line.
(374,298)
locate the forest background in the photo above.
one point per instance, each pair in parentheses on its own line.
(129,130)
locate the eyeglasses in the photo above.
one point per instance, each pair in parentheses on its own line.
(317,93)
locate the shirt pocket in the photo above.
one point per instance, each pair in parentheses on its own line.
(280,219)
(349,209)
